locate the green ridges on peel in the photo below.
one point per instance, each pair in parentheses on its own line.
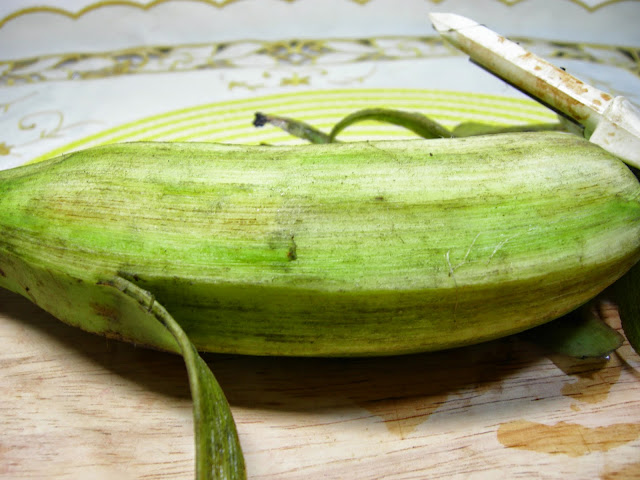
(349,249)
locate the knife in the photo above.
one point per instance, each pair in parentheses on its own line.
(611,122)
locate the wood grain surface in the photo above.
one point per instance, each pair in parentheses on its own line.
(75,405)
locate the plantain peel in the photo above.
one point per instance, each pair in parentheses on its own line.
(373,248)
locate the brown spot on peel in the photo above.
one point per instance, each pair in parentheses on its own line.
(569,439)
(105,311)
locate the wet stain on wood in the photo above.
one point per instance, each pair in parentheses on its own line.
(403,415)
(630,471)
(594,377)
(469,373)
(564,438)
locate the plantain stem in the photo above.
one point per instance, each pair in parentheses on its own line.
(469,129)
(294,127)
(416,122)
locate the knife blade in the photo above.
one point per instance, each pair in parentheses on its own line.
(610,122)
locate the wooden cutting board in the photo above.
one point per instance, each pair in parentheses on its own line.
(74,406)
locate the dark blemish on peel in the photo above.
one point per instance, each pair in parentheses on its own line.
(379,198)
(2,274)
(292,253)
(27,292)
(104,311)
(132,277)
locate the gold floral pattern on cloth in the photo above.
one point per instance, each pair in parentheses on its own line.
(590,6)
(270,54)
